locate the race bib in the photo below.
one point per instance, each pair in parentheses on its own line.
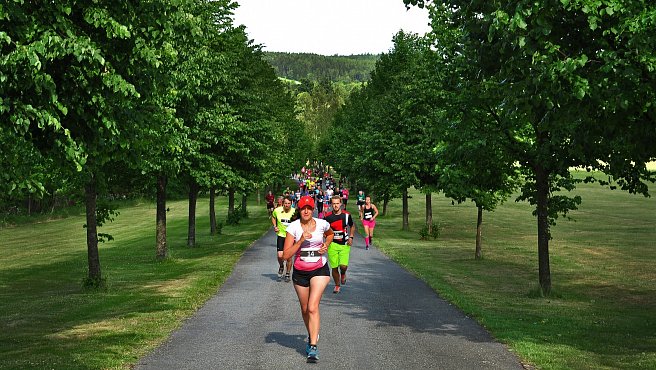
(339,235)
(310,254)
(368,216)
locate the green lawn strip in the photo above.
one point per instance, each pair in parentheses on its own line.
(602,313)
(49,321)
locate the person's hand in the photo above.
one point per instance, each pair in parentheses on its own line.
(323,249)
(275,228)
(350,241)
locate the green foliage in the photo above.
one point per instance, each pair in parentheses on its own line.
(313,67)
(94,284)
(119,94)
(219,227)
(105,212)
(234,217)
(433,231)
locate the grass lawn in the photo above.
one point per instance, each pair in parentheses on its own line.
(603,312)
(602,315)
(48,321)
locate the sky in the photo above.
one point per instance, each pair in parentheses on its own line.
(328,27)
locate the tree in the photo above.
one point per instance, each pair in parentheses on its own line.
(561,81)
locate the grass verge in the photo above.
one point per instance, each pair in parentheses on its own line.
(602,312)
(47,320)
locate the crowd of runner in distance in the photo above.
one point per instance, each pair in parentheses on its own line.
(316,248)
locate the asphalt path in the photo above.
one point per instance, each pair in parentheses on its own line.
(383,317)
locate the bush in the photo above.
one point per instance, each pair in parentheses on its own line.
(219,227)
(235,216)
(434,232)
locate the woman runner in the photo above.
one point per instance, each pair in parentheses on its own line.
(308,239)
(368,214)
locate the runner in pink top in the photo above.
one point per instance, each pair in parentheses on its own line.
(308,239)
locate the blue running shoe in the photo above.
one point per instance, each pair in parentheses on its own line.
(313,354)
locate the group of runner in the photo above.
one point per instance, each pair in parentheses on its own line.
(317,247)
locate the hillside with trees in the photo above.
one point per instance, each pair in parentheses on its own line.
(299,66)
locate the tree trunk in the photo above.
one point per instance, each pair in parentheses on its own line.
(542,188)
(479,233)
(257,196)
(231,200)
(385,203)
(92,231)
(429,212)
(193,199)
(212,212)
(160,228)
(406,222)
(244,199)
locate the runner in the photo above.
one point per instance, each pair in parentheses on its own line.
(326,202)
(338,254)
(368,215)
(308,239)
(281,218)
(360,200)
(269,202)
(345,195)
(319,200)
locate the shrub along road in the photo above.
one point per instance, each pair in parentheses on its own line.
(383,318)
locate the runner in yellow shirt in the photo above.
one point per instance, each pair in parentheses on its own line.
(281,218)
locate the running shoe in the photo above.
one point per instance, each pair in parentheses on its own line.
(313,354)
(307,345)
(288,277)
(336,290)
(280,272)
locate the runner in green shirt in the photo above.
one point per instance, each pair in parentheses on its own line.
(281,218)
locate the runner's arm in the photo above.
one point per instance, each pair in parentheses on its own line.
(329,235)
(274,221)
(375,211)
(291,247)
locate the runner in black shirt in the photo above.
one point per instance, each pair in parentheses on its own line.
(338,254)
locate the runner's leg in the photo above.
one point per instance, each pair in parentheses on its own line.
(303,294)
(317,286)
(336,277)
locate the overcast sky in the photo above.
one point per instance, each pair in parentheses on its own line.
(328,27)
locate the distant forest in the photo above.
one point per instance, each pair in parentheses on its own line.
(314,67)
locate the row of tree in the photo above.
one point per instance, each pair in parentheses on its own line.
(100,94)
(507,96)
(341,68)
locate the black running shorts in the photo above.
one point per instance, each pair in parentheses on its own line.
(280,244)
(302,278)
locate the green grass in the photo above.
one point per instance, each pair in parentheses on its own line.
(47,320)
(602,314)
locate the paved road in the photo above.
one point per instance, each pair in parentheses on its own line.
(383,318)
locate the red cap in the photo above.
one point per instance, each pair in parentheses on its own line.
(305,201)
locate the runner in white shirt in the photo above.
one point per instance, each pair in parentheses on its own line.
(308,239)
